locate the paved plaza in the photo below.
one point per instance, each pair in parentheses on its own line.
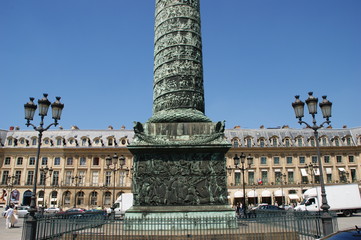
(15,233)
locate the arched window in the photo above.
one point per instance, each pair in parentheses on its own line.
(93,198)
(107,198)
(80,198)
(66,198)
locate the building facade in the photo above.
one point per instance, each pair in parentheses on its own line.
(284,165)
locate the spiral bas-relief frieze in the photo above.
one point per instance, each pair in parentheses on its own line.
(178,100)
(177,38)
(161,4)
(175,11)
(177,24)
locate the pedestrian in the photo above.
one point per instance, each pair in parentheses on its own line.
(11,219)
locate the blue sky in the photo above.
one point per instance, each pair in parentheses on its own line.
(257,54)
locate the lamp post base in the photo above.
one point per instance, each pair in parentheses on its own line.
(327,224)
(30,228)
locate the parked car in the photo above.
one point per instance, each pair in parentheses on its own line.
(52,210)
(22,211)
(345,234)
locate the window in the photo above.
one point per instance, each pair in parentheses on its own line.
(17,178)
(290,178)
(287,142)
(314,159)
(69,161)
(84,142)
(44,161)
(299,142)
(278,177)
(95,178)
(81,177)
(351,159)
(32,161)
(67,195)
(4,180)
(313,142)
(235,143)
(34,141)
(80,198)
(289,160)
(121,179)
(237,178)
(339,159)
(10,141)
(263,160)
(301,160)
(348,140)
(55,178)
(261,143)
(96,161)
(58,141)
(94,198)
(353,175)
(57,161)
(29,180)
(7,161)
(329,177)
(46,141)
(337,142)
(107,198)
(264,177)
(108,178)
(110,142)
(326,159)
(68,179)
(82,161)
(276,160)
(250,178)
(19,161)
(249,142)
(274,142)
(324,141)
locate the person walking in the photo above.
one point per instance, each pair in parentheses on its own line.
(10,217)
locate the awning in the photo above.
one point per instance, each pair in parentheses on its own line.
(53,199)
(293,196)
(266,193)
(238,194)
(304,172)
(341,169)
(290,170)
(237,170)
(316,171)
(252,194)
(278,193)
(328,170)
(264,170)
(277,170)
(40,199)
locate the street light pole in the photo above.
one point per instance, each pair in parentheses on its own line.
(45,172)
(113,161)
(325,106)
(30,108)
(243,169)
(77,180)
(10,183)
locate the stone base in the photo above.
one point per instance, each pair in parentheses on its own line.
(180,218)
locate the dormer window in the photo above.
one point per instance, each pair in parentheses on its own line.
(261,142)
(10,141)
(235,143)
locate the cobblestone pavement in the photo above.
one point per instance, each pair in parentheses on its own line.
(16,232)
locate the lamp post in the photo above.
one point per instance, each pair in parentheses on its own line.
(44,172)
(10,185)
(236,160)
(30,108)
(112,164)
(310,167)
(325,106)
(76,180)
(283,181)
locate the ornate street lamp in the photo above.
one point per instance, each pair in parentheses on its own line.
(76,180)
(112,164)
(30,108)
(44,173)
(325,106)
(236,160)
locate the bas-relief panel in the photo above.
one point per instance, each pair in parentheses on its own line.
(179,179)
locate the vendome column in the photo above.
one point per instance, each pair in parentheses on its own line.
(179,153)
